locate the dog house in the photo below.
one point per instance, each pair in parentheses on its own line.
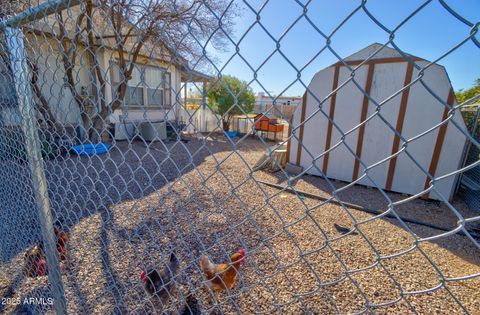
(333,127)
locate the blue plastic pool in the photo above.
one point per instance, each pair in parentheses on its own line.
(90,149)
(232,134)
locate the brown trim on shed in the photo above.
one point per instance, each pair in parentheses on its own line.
(399,126)
(378,61)
(363,116)
(331,114)
(442,131)
(302,125)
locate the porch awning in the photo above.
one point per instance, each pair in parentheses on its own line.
(188,75)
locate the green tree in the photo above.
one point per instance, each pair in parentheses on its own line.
(463,95)
(227,96)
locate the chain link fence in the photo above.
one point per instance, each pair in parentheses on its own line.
(116,195)
(470,180)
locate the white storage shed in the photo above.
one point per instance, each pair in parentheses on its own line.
(412,111)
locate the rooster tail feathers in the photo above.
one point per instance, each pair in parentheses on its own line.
(207,266)
(205,262)
(59,223)
(174,263)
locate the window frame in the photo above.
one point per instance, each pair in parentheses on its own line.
(164,86)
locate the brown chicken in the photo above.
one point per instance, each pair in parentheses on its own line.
(161,283)
(35,259)
(61,236)
(222,276)
(35,262)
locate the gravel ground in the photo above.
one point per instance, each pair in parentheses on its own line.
(128,209)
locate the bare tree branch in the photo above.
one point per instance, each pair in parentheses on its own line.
(43,108)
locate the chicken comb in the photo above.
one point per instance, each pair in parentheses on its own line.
(143,276)
(241,251)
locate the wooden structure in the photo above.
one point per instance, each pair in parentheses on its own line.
(412,111)
(263,123)
(273,161)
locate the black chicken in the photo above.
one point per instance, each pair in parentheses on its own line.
(161,283)
(191,307)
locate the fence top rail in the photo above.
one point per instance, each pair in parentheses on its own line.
(42,10)
(471,107)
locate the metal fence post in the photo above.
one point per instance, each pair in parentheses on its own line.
(203,116)
(18,61)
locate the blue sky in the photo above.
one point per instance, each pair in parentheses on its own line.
(429,34)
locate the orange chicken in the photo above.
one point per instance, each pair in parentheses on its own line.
(222,276)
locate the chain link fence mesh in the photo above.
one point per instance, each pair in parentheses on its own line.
(469,185)
(108,173)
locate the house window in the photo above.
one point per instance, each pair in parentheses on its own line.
(148,87)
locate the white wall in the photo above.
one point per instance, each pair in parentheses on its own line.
(423,112)
(347,116)
(46,55)
(450,162)
(318,125)
(193,119)
(387,79)
(52,81)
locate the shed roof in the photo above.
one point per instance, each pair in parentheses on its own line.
(378,53)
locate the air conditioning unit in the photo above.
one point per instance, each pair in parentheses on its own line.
(124,130)
(153,130)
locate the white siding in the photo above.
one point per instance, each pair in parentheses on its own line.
(349,100)
(450,162)
(378,137)
(423,112)
(316,128)
(52,81)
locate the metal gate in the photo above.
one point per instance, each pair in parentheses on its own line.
(470,180)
